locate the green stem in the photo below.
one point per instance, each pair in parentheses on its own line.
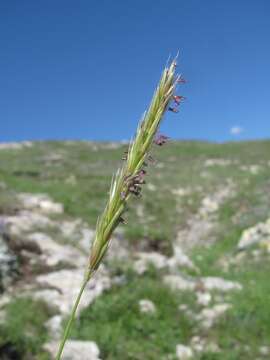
(72,317)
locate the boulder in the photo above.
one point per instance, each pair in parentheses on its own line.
(178,282)
(75,350)
(8,265)
(40,202)
(256,235)
(147,306)
(183,352)
(209,316)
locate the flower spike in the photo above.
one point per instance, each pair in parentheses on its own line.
(129,179)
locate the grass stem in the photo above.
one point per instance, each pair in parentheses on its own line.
(72,317)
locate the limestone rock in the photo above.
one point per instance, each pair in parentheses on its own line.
(76,350)
(160,261)
(53,253)
(180,259)
(15,145)
(8,265)
(258,234)
(264,350)
(209,316)
(178,282)
(40,202)
(216,283)
(61,287)
(201,345)
(204,298)
(155,259)
(54,326)
(183,352)
(25,221)
(147,306)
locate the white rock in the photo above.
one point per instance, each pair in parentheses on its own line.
(197,344)
(216,283)
(198,230)
(25,221)
(49,207)
(54,326)
(4,300)
(180,259)
(155,259)
(264,350)
(87,236)
(209,205)
(183,352)
(15,145)
(203,298)
(8,264)
(147,306)
(209,316)
(75,350)
(200,225)
(159,261)
(54,253)
(60,288)
(118,248)
(178,282)
(200,345)
(68,228)
(40,202)
(77,231)
(253,169)
(260,233)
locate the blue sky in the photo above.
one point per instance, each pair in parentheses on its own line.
(87,69)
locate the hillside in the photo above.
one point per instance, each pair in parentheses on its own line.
(186,278)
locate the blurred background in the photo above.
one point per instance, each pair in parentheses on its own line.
(187,277)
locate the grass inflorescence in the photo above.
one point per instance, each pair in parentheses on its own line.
(129,179)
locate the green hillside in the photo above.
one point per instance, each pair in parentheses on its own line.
(199,197)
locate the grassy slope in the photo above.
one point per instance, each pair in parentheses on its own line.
(80,180)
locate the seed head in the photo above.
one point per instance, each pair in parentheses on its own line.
(131,177)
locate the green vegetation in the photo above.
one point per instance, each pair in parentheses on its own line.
(23,331)
(78,175)
(245,328)
(123,332)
